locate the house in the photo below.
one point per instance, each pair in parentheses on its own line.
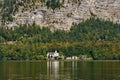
(72,58)
(53,55)
(83,57)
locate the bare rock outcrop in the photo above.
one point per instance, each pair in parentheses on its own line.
(72,12)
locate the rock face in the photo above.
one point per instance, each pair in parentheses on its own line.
(106,9)
(72,12)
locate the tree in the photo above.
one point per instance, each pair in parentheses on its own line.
(53,4)
(2,40)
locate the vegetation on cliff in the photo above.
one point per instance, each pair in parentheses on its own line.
(10,7)
(100,37)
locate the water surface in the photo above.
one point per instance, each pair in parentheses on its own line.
(60,70)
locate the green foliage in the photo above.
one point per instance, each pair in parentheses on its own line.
(2,40)
(53,4)
(8,10)
(10,7)
(32,43)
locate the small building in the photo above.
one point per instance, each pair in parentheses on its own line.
(53,55)
(83,57)
(72,58)
(68,58)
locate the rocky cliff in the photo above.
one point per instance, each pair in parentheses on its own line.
(71,12)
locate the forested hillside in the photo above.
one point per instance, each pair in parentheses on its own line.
(96,35)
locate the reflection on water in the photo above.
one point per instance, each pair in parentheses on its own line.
(60,70)
(53,67)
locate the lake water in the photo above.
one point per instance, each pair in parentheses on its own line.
(60,70)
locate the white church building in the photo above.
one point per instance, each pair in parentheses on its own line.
(53,55)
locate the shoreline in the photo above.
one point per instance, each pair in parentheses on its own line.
(60,60)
